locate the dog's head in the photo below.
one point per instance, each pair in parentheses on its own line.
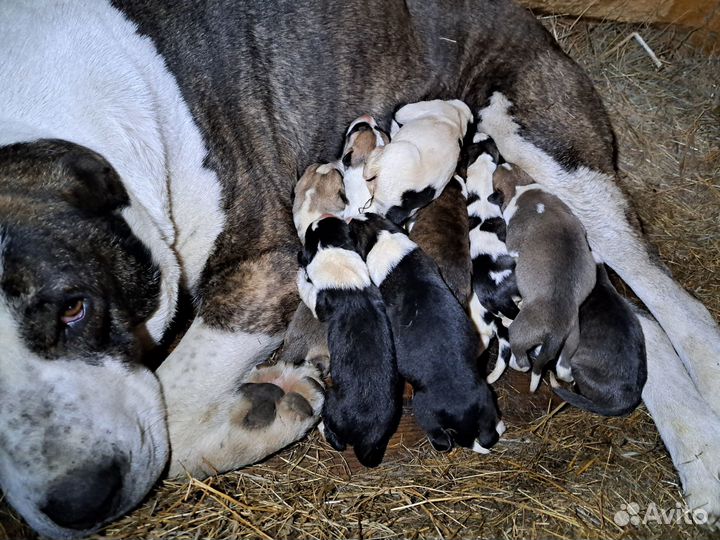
(362,137)
(506,179)
(319,191)
(82,431)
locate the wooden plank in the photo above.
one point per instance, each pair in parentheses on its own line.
(700,15)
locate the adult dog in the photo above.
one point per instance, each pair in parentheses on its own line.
(149,148)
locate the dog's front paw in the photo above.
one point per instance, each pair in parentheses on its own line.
(700,476)
(292,393)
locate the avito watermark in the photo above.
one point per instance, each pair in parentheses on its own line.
(631,514)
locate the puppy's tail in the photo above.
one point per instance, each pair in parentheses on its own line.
(625,406)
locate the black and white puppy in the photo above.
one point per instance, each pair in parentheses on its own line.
(417,164)
(610,364)
(363,402)
(493,269)
(555,271)
(436,344)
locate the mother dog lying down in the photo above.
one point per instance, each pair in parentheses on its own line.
(148,150)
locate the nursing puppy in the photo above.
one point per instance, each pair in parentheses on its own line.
(555,271)
(441,230)
(610,364)
(363,402)
(417,164)
(361,138)
(493,268)
(436,344)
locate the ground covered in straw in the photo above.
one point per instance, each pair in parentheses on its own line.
(558,472)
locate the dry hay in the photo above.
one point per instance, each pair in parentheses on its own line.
(559,472)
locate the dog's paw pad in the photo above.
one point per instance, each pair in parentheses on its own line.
(295,404)
(262,398)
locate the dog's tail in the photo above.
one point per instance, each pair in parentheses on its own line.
(625,406)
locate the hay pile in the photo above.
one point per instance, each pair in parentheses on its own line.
(559,472)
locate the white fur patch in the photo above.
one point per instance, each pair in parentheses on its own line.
(499,277)
(308,292)
(336,268)
(478,448)
(597,201)
(357,193)
(535,379)
(386,254)
(540,208)
(130,110)
(480,137)
(486,243)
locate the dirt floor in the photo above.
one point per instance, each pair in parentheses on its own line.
(558,472)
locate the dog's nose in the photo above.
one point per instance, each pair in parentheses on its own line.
(85,497)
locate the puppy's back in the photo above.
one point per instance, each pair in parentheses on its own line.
(610,365)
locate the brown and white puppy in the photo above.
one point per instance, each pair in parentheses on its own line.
(441,230)
(610,365)
(320,190)
(555,270)
(361,138)
(417,164)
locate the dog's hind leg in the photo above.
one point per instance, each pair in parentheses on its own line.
(689,429)
(595,198)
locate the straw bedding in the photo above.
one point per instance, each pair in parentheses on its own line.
(559,472)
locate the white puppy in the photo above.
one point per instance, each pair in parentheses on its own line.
(417,164)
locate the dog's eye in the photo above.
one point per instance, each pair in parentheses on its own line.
(73,311)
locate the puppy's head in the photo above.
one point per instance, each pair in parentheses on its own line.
(362,137)
(506,180)
(319,191)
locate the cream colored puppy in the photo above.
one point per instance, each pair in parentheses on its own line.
(417,164)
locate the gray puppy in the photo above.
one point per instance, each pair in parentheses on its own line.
(610,365)
(305,341)
(555,271)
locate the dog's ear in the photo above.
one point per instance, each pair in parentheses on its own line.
(372,164)
(440,439)
(496,197)
(97,188)
(323,308)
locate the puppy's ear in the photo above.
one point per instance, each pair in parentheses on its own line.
(97,189)
(372,164)
(441,441)
(496,197)
(323,308)
(303,258)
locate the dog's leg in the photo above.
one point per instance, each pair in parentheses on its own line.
(603,210)
(223,411)
(690,429)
